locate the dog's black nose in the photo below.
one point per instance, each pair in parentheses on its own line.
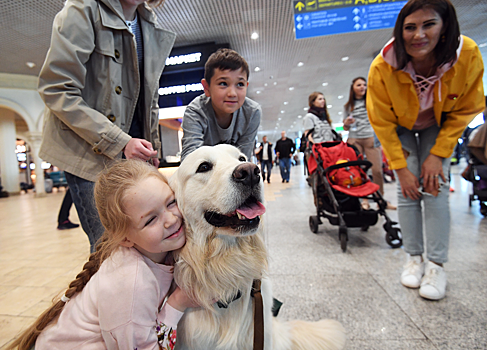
(247,173)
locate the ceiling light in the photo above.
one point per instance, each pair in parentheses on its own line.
(300,64)
(340,97)
(329,106)
(275,83)
(340,113)
(279,118)
(300,116)
(345,58)
(286,102)
(325,84)
(282,112)
(265,84)
(257,92)
(483,45)
(254,36)
(30,64)
(257,69)
(306,108)
(291,88)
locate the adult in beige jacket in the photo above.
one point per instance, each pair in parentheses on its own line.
(100,86)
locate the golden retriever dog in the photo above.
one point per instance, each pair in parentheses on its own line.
(220,195)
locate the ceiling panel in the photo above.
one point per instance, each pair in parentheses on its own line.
(26,27)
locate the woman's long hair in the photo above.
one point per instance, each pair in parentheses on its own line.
(349,106)
(110,190)
(321,113)
(445,50)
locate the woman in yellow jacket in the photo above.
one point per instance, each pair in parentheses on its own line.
(424,88)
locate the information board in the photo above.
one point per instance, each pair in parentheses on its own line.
(326,17)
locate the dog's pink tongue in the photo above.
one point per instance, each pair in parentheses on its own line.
(251,211)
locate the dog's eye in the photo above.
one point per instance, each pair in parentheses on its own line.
(204,167)
(242,159)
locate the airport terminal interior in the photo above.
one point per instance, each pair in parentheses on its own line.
(311,275)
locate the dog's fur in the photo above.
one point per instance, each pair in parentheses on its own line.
(217,263)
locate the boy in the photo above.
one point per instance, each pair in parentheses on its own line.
(223,114)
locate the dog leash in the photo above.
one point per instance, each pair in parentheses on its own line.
(258,315)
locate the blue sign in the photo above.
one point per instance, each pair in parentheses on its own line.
(326,17)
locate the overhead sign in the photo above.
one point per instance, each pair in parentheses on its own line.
(326,17)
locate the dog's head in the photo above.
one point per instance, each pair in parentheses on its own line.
(217,187)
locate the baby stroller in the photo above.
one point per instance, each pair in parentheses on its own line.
(476,171)
(339,178)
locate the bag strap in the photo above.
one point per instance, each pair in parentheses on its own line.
(258,315)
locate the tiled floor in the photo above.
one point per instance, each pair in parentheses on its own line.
(311,275)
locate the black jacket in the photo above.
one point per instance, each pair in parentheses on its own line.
(285,147)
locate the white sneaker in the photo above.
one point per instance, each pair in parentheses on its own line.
(434,282)
(413,272)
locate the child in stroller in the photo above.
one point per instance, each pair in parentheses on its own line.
(476,171)
(339,178)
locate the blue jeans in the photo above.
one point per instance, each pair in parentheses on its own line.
(418,144)
(285,165)
(263,165)
(84,202)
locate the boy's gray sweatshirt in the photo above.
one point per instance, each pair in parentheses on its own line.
(201,128)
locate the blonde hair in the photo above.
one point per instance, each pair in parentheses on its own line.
(110,190)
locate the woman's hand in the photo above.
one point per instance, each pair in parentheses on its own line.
(409,183)
(431,171)
(347,122)
(139,148)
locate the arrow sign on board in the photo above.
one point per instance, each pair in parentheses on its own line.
(299,26)
(356,11)
(299,18)
(299,6)
(356,18)
(357,26)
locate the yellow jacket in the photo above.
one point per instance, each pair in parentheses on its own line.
(392,100)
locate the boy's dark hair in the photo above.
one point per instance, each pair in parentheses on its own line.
(225,59)
(445,50)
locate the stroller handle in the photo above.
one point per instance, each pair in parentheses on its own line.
(361,163)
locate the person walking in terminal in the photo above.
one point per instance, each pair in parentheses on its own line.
(116,302)
(99,83)
(63,217)
(361,134)
(223,114)
(424,88)
(265,157)
(284,149)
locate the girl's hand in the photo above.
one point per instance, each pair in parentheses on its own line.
(409,183)
(180,300)
(348,121)
(431,171)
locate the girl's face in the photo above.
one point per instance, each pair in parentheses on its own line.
(156,222)
(359,89)
(319,102)
(421,32)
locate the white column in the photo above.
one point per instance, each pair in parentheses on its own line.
(9,166)
(34,139)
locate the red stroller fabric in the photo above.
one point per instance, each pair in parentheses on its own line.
(338,152)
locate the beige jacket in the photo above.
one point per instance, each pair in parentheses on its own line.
(90,84)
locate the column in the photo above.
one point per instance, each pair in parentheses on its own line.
(34,139)
(9,166)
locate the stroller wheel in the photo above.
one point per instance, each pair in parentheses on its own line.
(483,209)
(314,221)
(393,237)
(342,232)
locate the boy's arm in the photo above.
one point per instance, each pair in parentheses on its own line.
(194,128)
(246,142)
